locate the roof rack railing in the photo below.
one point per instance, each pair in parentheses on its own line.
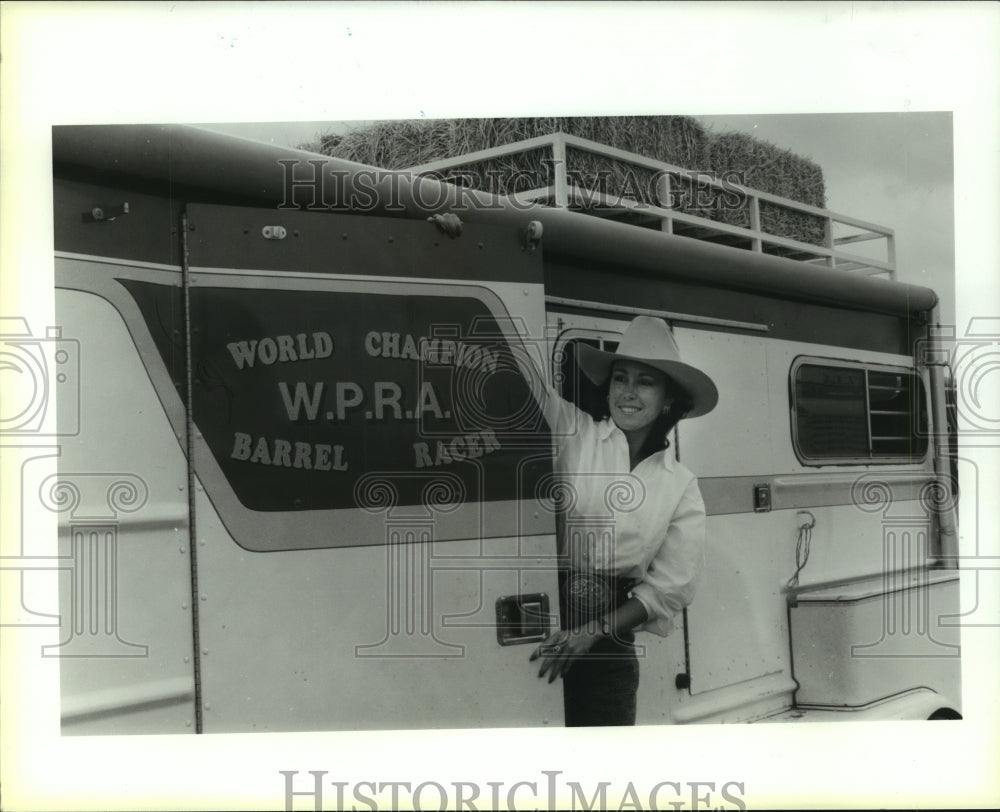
(565,189)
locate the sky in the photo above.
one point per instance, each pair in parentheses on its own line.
(890,169)
(893,169)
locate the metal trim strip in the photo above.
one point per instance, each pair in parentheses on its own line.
(734,494)
(663,314)
(130,263)
(120,700)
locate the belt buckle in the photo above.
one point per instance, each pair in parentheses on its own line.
(589,593)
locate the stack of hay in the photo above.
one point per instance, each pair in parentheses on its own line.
(768,168)
(678,140)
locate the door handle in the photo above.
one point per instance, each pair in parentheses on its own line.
(522,618)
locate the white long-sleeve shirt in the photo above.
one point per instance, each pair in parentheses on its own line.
(647,524)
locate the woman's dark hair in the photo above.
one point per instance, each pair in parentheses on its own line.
(657,439)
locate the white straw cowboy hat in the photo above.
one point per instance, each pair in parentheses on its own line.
(649,341)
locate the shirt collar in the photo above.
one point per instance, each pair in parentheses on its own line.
(606,428)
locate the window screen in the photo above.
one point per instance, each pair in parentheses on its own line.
(857,413)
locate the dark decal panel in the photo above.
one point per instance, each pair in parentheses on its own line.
(302,396)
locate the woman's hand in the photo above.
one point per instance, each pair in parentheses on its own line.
(560,649)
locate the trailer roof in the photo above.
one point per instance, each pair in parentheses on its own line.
(251,172)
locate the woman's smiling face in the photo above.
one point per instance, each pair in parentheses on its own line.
(637,395)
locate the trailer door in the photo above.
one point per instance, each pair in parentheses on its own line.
(662,659)
(371,550)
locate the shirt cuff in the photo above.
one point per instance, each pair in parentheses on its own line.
(659,618)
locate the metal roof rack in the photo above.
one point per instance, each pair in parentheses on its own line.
(567,190)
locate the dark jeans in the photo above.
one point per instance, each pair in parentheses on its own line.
(600,687)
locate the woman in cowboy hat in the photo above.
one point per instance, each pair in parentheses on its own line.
(633,527)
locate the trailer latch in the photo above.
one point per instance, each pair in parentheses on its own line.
(273,232)
(522,618)
(762,497)
(97,214)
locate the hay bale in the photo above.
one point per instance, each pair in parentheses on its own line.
(763,166)
(678,140)
(399,144)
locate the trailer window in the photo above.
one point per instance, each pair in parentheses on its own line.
(856,413)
